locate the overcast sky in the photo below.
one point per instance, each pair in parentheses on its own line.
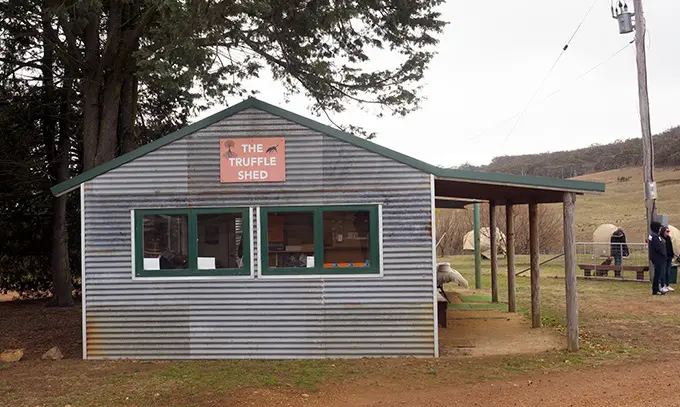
(493,56)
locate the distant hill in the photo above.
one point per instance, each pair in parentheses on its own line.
(623,203)
(593,159)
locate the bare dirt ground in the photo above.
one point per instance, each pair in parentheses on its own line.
(649,384)
(35,327)
(493,333)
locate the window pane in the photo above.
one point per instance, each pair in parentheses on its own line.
(220,241)
(346,239)
(290,238)
(166,242)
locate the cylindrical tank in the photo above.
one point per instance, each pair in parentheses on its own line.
(603,234)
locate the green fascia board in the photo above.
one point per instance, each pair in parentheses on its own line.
(439,172)
(519,180)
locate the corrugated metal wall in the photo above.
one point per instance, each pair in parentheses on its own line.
(236,317)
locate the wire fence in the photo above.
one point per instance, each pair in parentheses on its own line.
(614,260)
(611,261)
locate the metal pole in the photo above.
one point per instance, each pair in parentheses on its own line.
(493,236)
(510,243)
(478,251)
(647,144)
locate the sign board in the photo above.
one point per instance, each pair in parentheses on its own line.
(252,160)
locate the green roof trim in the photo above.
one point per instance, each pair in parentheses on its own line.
(439,172)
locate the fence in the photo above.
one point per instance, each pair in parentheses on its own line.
(615,260)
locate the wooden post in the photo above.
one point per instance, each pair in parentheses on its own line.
(535,267)
(493,236)
(643,103)
(510,250)
(570,271)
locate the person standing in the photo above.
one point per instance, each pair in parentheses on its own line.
(670,255)
(619,248)
(656,245)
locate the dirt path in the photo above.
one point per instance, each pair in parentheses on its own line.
(494,333)
(648,384)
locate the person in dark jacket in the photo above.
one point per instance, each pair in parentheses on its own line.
(656,246)
(619,248)
(670,255)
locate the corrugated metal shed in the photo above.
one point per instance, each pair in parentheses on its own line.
(246,317)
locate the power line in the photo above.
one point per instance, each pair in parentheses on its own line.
(564,49)
(576,79)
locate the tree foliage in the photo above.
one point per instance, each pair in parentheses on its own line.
(86,80)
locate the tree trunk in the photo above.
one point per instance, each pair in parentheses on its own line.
(128,111)
(58,158)
(108,125)
(91,88)
(62,287)
(127,136)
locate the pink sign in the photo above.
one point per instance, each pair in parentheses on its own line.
(252,160)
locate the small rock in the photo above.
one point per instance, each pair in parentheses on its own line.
(11,355)
(157,395)
(53,354)
(68,405)
(305,395)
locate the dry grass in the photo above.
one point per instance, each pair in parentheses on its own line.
(615,317)
(623,203)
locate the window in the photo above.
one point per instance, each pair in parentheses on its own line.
(192,242)
(166,242)
(320,240)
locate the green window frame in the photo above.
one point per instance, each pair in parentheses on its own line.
(374,241)
(192,270)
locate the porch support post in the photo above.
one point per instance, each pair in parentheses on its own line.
(535,266)
(570,271)
(478,249)
(493,236)
(510,250)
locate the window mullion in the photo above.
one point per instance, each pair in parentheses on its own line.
(246,224)
(374,238)
(264,241)
(193,241)
(139,243)
(318,239)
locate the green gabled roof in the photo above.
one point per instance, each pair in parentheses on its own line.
(439,172)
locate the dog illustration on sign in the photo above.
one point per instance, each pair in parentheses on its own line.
(273,149)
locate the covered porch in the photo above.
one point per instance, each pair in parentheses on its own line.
(458,189)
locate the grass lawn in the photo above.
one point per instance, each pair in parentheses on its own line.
(613,315)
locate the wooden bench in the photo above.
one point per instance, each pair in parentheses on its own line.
(602,270)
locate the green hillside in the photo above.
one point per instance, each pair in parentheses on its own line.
(589,160)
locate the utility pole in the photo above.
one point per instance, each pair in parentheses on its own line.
(626,26)
(647,143)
